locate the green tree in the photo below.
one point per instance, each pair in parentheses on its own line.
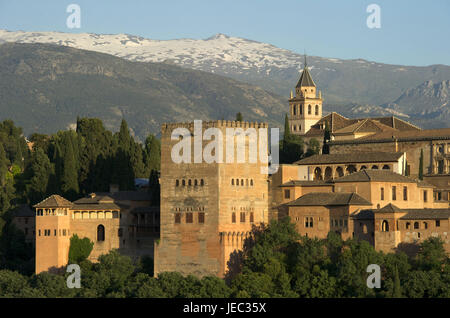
(239,117)
(79,249)
(154,188)
(421,165)
(152,154)
(124,137)
(291,147)
(69,173)
(313,147)
(38,174)
(326,139)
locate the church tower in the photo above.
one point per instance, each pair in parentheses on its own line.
(305,109)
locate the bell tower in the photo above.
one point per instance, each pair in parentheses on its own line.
(305,108)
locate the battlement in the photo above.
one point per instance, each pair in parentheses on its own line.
(169,127)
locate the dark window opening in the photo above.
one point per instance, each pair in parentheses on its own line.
(100,233)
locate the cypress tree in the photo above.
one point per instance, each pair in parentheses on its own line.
(154,187)
(326,139)
(3,165)
(421,165)
(69,177)
(239,117)
(397,292)
(124,137)
(287,131)
(152,153)
(38,173)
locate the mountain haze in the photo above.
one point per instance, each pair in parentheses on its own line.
(261,64)
(43,88)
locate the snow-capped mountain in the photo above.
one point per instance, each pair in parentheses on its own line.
(208,54)
(262,64)
(342,82)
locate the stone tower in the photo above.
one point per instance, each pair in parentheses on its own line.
(208,208)
(52,233)
(305,109)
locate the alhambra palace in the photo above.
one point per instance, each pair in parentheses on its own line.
(367,188)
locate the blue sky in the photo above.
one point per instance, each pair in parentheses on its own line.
(411,33)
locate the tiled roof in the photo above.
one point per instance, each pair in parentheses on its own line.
(407,135)
(305,183)
(337,122)
(96,206)
(363,215)
(365,125)
(413,214)
(374,175)
(128,195)
(305,79)
(356,157)
(97,202)
(329,198)
(54,201)
(390,208)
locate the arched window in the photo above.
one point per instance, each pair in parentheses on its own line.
(300,109)
(317,110)
(232,182)
(195,182)
(202,182)
(183,182)
(416,225)
(251,182)
(100,233)
(386,167)
(309,109)
(385,226)
(408,225)
(294,111)
(189,182)
(233,217)
(375,167)
(425,225)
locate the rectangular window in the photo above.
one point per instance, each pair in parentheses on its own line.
(425,196)
(394,193)
(382,194)
(307,222)
(438,223)
(64,232)
(233,217)
(251,217)
(405,193)
(189,217)
(201,217)
(177,218)
(311,222)
(242,217)
(345,223)
(287,194)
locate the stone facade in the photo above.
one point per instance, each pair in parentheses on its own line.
(207,209)
(111,222)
